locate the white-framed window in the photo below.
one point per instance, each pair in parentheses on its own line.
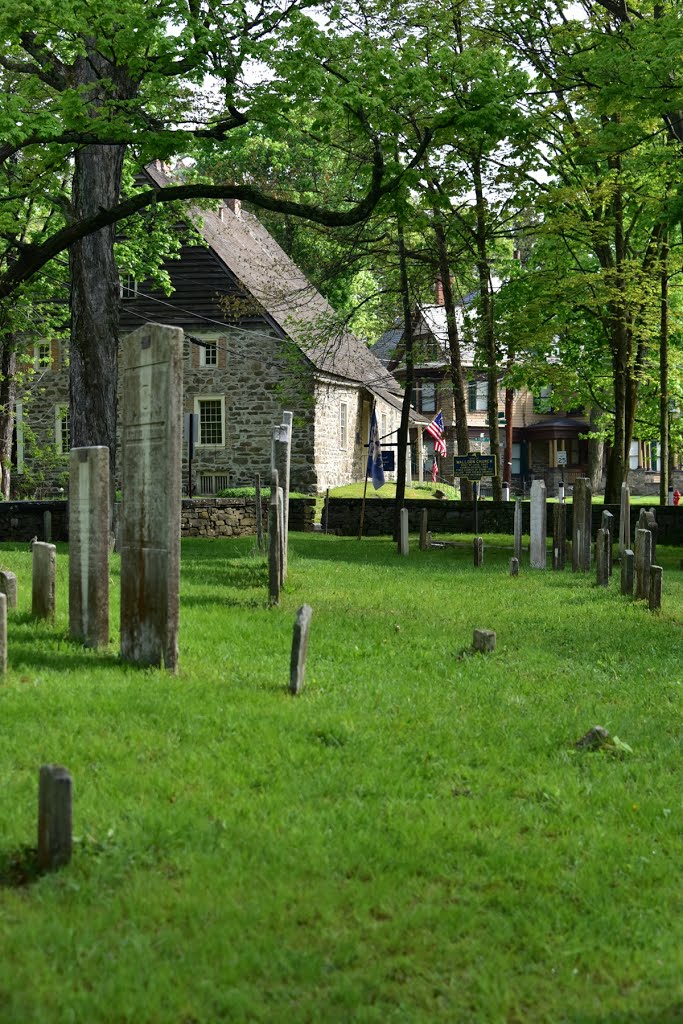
(478,395)
(42,355)
(128,286)
(208,354)
(516,458)
(383,425)
(19,428)
(428,397)
(634,453)
(211,412)
(62,429)
(343,425)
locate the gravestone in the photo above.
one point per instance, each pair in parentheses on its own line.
(297,666)
(601,567)
(655,594)
(287,421)
(55,839)
(43,596)
(89,545)
(581,525)
(151,451)
(428,540)
(627,572)
(47,527)
(259,514)
(478,547)
(3,634)
(274,550)
(506,491)
(281,534)
(8,587)
(484,640)
(648,521)
(559,536)
(514,567)
(518,529)
(424,519)
(607,523)
(643,563)
(538,528)
(404,545)
(625,520)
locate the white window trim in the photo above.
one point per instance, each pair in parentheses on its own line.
(482,396)
(19,424)
(59,409)
(343,426)
(202,356)
(37,362)
(128,287)
(210,398)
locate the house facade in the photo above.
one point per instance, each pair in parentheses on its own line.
(259,339)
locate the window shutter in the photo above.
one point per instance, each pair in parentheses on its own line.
(222,353)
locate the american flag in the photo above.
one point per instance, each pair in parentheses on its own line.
(435,430)
(435,471)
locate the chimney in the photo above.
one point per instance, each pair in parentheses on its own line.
(234,205)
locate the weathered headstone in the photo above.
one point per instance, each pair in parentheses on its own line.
(424,517)
(47,527)
(514,567)
(655,594)
(643,563)
(647,521)
(259,514)
(151,451)
(297,667)
(8,587)
(601,567)
(429,539)
(404,545)
(287,421)
(282,535)
(627,572)
(478,551)
(274,556)
(625,520)
(3,634)
(55,840)
(484,640)
(44,578)
(559,536)
(538,528)
(89,545)
(581,525)
(607,523)
(518,529)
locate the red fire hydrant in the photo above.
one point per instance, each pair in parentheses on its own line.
(677,496)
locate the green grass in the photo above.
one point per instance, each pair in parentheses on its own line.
(419,491)
(412,839)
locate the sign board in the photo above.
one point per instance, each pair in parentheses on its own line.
(562,458)
(388,464)
(474,467)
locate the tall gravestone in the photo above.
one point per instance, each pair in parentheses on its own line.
(538,528)
(648,521)
(625,520)
(601,565)
(151,449)
(518,530)
(274,548)
(44,580)
(581,525)
(8,587)
(89,545)
(607,524)
(403,540)
(3,634)
(280,462)
(627,572)
(287,421)
(259,513)
(643,563)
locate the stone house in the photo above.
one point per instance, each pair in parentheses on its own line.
(259,339)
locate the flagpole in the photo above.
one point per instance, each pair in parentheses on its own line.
(365,486)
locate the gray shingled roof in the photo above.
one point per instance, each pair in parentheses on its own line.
(253,256)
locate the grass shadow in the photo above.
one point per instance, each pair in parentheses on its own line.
(19,868)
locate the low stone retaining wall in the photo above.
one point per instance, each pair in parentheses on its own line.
(493,517)
(201,517)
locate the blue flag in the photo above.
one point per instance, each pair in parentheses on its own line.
(375,468)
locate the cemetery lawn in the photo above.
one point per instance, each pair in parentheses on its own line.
(414,838)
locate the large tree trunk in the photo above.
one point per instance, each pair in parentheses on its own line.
(457,376)
(596,451)
(408,392)
(8,394)
(94,304)
(664,377)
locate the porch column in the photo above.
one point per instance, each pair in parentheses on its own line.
(420,457)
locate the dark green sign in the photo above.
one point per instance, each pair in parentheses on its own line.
(474,467)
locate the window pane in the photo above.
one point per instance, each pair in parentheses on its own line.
(211,354)
(428,398)
(210,421)
(343,424)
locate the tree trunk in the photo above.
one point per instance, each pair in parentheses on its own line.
(408,392)
(457,376)
(8,394)
(487,338)
(94,304)
(596,451)
(664,377)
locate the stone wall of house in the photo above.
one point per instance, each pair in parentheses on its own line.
(493,517)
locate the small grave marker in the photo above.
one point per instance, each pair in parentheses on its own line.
(601,567)
(538,549)
(581,525)
(478,551)
(404,544)
(518,529)
(43,597)
(8,587)
(514,567)
(297,667)
(627,572)
(484,640)
(55,840)
(643,563)
(607,523)
(655,595)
